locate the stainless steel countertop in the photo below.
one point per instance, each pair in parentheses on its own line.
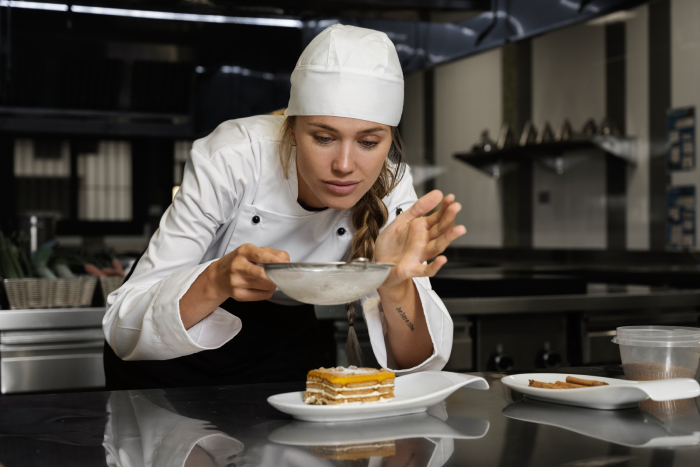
(51,318)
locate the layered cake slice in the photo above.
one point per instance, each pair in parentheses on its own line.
(352,385)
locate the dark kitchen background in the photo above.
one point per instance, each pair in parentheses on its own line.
(566,128)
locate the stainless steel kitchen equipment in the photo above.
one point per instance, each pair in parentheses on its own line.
(461,358)
(51,349)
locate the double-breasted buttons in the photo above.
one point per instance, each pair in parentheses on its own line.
(398,211)
(341,231)
(256,219)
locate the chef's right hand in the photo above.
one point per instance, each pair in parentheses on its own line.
(238,275)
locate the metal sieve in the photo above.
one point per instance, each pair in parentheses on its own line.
(327,283)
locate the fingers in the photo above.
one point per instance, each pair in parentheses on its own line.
(256,255)
(423,270)
(438,245)
(251,295)
(432,268)
(446,221)
(447,202)
(424,205)
(246,274)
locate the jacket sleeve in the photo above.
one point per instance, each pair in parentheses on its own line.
(143,319)
(437,317)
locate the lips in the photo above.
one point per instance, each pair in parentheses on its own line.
(342,187)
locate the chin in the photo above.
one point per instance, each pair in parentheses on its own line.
(341,203)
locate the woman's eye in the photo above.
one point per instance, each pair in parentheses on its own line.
(323,139)
(368,144)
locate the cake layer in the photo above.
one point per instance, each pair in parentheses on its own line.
(350,395)
(335,391)
(369,383)
(320,398)
(352,374)
(355,451)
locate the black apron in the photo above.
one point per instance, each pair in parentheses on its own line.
(277,343)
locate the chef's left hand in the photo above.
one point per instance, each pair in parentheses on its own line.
(412,239)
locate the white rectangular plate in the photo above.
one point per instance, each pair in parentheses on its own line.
(413,393)
(619,394)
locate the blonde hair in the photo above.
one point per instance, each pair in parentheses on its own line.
(368,216)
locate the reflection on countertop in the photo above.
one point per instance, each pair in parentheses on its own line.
(146,431)
(235,426)
(660,424)
(141,433)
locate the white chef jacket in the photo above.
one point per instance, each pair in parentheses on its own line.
(231,176)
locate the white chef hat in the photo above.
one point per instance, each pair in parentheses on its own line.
(348,71)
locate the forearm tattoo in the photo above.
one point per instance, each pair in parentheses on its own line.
(403,315)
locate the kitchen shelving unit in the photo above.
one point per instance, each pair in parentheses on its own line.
(549,154)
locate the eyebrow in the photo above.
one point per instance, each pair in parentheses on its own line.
(330,128)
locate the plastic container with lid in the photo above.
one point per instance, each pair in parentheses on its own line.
(659,352)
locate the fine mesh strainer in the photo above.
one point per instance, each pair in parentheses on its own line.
(327,283)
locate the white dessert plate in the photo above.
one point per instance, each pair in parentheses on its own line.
(619,394)
(413,393)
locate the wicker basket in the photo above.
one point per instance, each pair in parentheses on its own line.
(50,293)
(109,284)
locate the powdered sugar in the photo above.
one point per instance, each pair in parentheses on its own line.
(352,370)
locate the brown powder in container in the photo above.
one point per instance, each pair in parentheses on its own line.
(668,409)
(648,371)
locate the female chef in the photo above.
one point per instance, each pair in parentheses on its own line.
(321,183)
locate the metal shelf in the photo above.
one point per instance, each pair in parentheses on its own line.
(93,122)
(551,155)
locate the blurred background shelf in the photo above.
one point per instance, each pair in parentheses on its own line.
(620,147)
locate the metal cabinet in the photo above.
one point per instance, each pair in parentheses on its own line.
(51,349)
(32,361)
(461,358)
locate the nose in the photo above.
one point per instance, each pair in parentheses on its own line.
(344,160)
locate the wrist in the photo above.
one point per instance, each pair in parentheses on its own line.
(396,292)
(213,292)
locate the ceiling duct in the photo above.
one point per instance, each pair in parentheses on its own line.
(423,44)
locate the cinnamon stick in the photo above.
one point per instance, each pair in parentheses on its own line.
(538,384)
(585,382)
(570,385)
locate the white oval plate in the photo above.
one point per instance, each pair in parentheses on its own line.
(619,394)
(413,393)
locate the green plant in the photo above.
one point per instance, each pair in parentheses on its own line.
(9,259)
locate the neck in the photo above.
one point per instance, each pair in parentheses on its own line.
(310,208)
(305,197)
